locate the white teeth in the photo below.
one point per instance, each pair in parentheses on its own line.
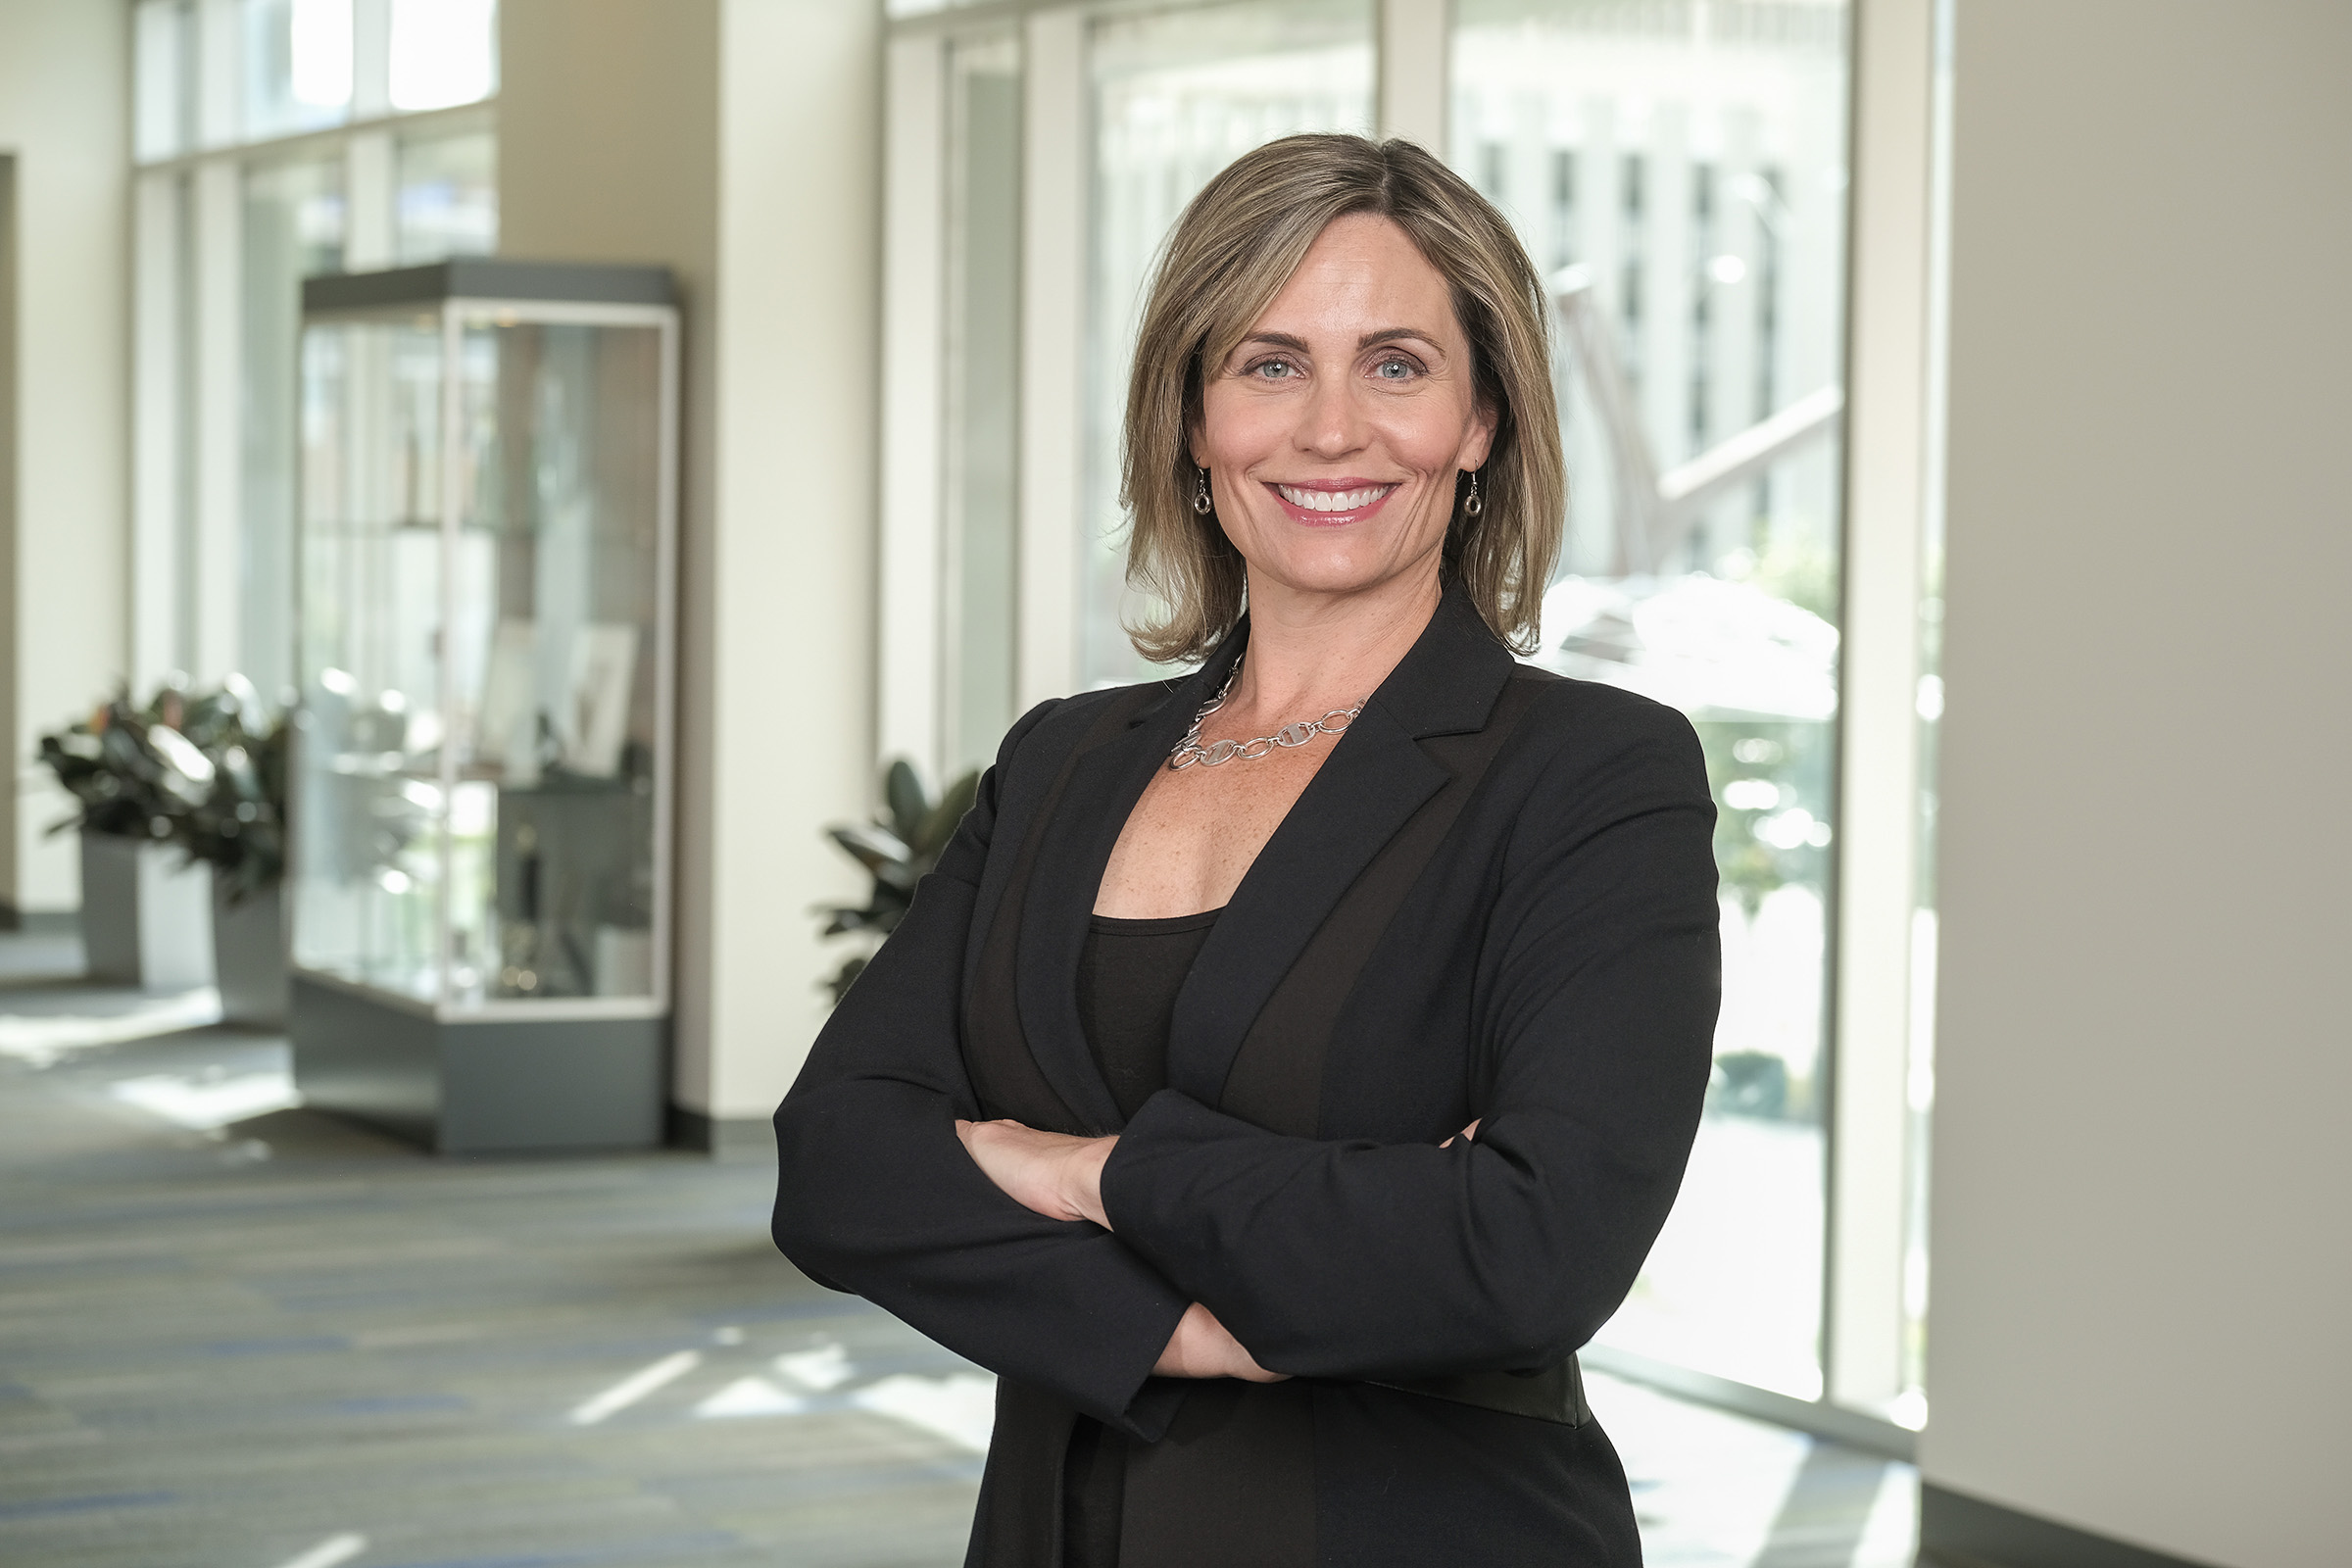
(1333,500)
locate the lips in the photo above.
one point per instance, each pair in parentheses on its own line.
(1331,506)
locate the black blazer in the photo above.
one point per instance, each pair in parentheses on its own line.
(1495,900)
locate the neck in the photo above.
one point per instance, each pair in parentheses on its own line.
(1322,651)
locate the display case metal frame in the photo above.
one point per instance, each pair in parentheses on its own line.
(472,1077)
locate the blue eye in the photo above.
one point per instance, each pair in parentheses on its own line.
(1394,369)
(1275,370)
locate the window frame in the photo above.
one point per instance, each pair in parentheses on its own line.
(187,316)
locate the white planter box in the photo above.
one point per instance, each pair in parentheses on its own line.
(248,953)
(146,916)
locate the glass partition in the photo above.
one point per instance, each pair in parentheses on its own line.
(481,654)
(297,65)
(1681,169)
(1176,97)
(551,690)
(294,229)
(366,788)
(446,201)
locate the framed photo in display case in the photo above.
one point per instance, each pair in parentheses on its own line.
(481,864)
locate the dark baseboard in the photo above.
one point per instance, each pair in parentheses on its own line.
(730,1140)
(40,922)
(1958,1531)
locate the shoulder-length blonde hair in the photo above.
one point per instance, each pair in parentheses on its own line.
(1233,250)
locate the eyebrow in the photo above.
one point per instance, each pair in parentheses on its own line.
(1298,345)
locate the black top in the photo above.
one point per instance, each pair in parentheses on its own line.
(1128,976)
(1494,900)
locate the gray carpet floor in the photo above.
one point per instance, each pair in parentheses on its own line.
(233,1336)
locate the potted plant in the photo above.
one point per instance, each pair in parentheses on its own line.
(183,821)
(239,830)
(146,916)
(898,848)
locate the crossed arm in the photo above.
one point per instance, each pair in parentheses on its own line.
(1324,1257)
(1060,1177)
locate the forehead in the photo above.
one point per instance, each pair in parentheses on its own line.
(1362,273)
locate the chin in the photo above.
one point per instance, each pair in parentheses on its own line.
(1333,572)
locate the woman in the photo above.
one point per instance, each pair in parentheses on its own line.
(1288,1064)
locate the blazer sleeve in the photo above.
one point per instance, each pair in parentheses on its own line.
(1595,1010)
(875,1193)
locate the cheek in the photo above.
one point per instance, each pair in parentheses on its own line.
(1428,440)
(1236,433)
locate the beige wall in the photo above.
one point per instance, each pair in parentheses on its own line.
(63,124)
(2142,1281)
(738,141)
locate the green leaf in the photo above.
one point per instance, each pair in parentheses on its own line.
(873,847)
(839,985)
(940,825)
(903,793)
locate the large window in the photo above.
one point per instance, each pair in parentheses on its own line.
(1681,169)
(277,140)
(1679,172)
(1176,97)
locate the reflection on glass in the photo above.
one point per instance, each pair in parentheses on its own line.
(475,770)
(983,398)
(444,52)
(1681,170)
(297,73)
(368,790)
(293,229)
(1176,98)
(447,198)
(551,671)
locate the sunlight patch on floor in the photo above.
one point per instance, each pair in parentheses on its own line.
(42,1039)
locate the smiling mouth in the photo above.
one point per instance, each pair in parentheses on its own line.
(1329,506)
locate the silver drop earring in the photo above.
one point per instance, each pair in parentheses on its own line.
(1201,504)
(1472,506)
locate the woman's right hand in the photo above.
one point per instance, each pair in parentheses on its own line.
(1202,1348)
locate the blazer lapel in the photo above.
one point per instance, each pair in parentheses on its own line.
(1105,785)
(1377,777)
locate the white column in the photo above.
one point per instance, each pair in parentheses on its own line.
(1879,787)
(914,249)
(216,531)
(64,79)
(2141,1070)
(155,430)
(367,196)
(1416,48)
(739,142)
(371,57)
(1054,289)
(789,728)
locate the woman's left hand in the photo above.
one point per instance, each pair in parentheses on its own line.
(1047,1173)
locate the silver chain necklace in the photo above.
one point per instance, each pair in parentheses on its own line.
(1190,750)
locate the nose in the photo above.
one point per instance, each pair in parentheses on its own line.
(1331,425)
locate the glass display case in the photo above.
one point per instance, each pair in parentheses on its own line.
(480,780)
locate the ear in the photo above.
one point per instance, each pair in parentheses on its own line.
(1478,440)
(1191,444)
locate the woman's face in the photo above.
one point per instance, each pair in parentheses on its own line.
(1333,432)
